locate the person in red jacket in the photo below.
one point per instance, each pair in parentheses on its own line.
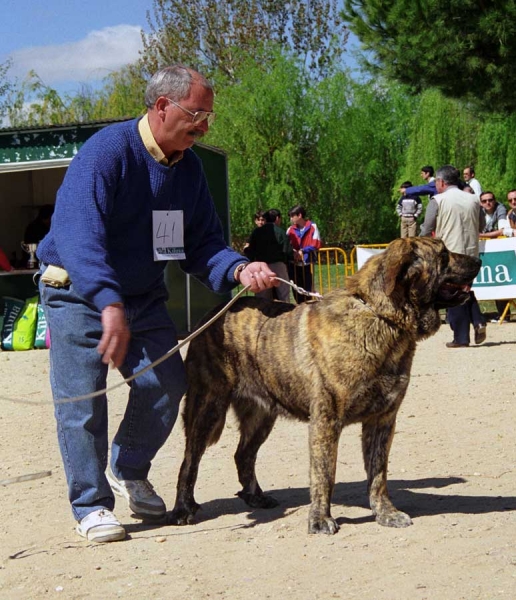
(305,240)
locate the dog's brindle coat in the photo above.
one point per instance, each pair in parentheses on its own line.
(342,360)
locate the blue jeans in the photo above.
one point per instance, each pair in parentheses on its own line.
(76,368)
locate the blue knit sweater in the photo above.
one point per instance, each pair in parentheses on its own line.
(101,229)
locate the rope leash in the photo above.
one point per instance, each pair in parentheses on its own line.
(165,356)
(42,474)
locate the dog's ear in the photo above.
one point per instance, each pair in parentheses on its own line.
(397,258)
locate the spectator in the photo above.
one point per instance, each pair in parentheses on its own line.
(511,215)
(305,240)
(457,225)
(409,208)
(270,244)
(469,178)
(133,197)
(259,220)
(427,189)
(427,173)
(495,216)
(496,225)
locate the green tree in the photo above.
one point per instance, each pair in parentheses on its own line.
(361,133)
(5,87)
(34,103)
(465,48)
(216,36)
(261,125)
(334,146)
(441,131)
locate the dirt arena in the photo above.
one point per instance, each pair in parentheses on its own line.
(452,469)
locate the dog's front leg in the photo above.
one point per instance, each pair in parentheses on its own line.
(324,440)
(376,443)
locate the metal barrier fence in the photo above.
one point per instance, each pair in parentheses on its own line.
(332,268)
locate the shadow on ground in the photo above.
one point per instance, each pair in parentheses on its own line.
(403,493)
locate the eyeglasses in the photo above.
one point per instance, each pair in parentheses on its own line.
(487,200)
(511,199)
(198,116)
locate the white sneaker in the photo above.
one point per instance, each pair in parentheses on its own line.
(101,526)
(140,494)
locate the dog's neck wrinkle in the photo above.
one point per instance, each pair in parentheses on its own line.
(391,322)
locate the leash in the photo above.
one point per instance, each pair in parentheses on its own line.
(167,354)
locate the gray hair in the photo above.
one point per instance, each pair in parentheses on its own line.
(448,174)
(174,82)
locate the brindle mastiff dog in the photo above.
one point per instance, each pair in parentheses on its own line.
(342,360)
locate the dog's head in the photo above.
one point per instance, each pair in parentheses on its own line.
(413,279)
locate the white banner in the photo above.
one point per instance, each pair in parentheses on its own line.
(364,253)
(497,277)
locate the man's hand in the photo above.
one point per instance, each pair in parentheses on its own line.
(115,335)
(258,276)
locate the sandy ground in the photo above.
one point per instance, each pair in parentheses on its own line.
(452,469)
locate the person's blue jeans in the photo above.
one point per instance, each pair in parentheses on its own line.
(76,368)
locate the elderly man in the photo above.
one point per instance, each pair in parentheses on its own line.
(134,197)
(457,223)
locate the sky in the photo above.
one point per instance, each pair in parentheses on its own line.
(70,42)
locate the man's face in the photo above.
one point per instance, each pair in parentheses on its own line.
(511,198)
(425,175)
(488,203)
(178,132)
(259,221)
(440,186)
(467,175)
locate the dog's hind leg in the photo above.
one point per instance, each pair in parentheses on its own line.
(377,437)
(204,420)
(255,427)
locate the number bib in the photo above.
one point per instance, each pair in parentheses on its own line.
(167,235)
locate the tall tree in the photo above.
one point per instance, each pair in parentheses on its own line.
(334,146)
(5,87)
(465,48)
(215,36)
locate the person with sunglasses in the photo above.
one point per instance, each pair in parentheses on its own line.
(495,215)
(134,197)
(497,224)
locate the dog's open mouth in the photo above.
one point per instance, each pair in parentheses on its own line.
(452,294)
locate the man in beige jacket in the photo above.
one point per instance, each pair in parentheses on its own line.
(458,225)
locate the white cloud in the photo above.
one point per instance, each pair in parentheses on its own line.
(85,61)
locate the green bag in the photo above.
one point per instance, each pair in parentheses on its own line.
(41,329)
(24,331)
(12,310)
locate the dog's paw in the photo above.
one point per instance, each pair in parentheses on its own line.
(326,525)
(183,516)
(393,519)
(258,501)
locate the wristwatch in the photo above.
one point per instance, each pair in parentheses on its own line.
(238,270)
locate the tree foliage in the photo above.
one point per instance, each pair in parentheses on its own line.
(216,36)
(334,146)
(5,87)
(465,48)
